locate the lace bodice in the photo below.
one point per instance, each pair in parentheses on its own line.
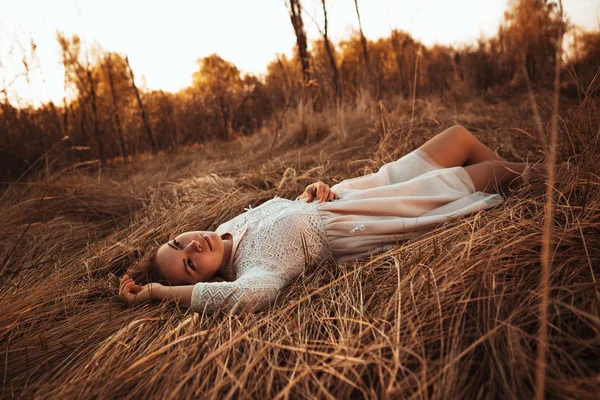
(282,237)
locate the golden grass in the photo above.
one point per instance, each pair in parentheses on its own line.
(454,314)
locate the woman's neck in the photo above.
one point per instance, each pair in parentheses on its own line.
(224,270)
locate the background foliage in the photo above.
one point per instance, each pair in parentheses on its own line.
(105,121)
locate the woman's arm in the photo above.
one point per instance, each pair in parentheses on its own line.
(136,294)
(252,292)
(255,291)
(181,294)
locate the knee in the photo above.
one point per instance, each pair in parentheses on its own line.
(461,134)
(461,130)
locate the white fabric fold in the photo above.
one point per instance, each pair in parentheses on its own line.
(404,199)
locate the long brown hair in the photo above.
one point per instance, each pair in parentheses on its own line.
(146,270)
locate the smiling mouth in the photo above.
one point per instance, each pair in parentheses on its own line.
(208,242)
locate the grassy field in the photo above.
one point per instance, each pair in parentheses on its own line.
(451,315)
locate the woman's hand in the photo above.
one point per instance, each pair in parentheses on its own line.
(136,294)
(318,190)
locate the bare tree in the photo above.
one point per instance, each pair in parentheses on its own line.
(26,64)
(363,41)
(402,58)
(331,56)
(115,106)
(295,11)
(141,106)
(94,103)
(81,76)
(65,117)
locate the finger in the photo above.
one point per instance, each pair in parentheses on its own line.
(122,284)
(310,193)
(125,282)
(319,192)
(324,194)
(128,287)
(307,193)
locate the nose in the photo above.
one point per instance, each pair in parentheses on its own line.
(196,245)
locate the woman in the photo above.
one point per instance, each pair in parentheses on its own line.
(258,253)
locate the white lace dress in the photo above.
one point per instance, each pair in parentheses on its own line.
(273,243)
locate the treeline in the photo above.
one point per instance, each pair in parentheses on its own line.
(110,117)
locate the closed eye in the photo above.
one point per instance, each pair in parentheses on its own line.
(175,245)
(184,267)
(191,264)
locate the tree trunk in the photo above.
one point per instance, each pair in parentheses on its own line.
(82,120)
(97,131)
(115,107)
(141,106)
(363,41)
(65,119)
(224,118)
(400,64)
(332,63)
(298,24)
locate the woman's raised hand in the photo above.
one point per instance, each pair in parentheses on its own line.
(136,294)
(318,190)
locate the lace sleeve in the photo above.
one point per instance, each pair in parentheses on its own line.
(251,292)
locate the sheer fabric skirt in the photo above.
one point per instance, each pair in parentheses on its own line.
(404,199)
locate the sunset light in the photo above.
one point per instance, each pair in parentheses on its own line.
(299,199)
(164,39)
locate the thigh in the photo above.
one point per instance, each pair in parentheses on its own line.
(449,148)
(456,147)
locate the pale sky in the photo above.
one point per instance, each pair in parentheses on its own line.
(164,39)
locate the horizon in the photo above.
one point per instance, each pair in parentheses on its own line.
(251,52)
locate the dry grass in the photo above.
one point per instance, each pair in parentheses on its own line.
(450,315)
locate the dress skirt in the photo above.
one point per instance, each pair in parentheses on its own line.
(404,199)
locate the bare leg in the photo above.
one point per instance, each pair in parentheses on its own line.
(489,172)
(490,176)
(456,146)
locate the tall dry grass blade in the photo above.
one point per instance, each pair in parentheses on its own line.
(414,94)
(540,373)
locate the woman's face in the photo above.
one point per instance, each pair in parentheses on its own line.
(191,257)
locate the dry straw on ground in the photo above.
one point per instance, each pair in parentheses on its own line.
(453,314)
